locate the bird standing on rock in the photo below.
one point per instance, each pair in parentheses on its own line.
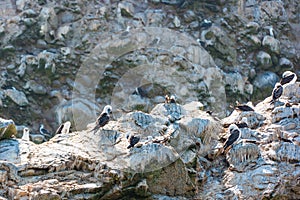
(64,128)
(243,107)
(288,77)
(243,123)
(235,134)
(277,92)
(133,140)
(25,134)
(171,99)
(103,118)
(45,132)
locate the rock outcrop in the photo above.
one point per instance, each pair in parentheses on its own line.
(99,52)
(178,155)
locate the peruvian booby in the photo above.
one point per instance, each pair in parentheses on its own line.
(235,134)
(277,92)
(206,24)
(64,128)
(25,134)
(103,118)
(45,132)
(133,140)
(167,99)
(171,99)
(288,77)
(243,123)
(243,107)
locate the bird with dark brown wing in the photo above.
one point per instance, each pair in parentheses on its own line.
(235,134)
(288,77)
(103,118)
(243,107)
(277,92)
(133,140)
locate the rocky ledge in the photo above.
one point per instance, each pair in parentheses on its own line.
(179,156)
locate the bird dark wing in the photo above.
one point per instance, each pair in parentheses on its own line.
(44,131)
(277,92)
(58,131)
(244,108)
(242,125)
(102,119)
(287,79)
(232,138)
(133,140)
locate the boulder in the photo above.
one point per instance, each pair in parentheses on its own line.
(7,128)
(17,96)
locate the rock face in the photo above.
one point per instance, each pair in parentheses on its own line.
(87,165)
(7,128)
(98,53)
(178,155)
(65,60)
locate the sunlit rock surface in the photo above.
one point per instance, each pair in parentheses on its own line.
(179,155)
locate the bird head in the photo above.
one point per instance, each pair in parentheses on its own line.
(286,73)
(67,124)
(107,109)
(278,85)
(26,130)
(244,119)
(172,97)
(232,127)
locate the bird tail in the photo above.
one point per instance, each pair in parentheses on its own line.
(95,129)
(272,102)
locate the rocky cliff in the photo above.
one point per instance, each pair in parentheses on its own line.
(178,156)
(71,58)
(65,60)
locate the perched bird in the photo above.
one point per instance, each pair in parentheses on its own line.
(171,99)
(103,118)
(243,123)
(133,140)
(209,112)
(25,134)
(206,24)
(64,128)
(288,77)
(235,134)
(243,107)
(45,132)
(277,92)
(167,99)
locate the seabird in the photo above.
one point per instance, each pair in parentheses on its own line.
(25,134)
(288,77)
(243,123)
(209,112)
(206,24)
(171,99)
(235,134)
(277,92)
(64,128)
(44,132)
(133,140)
(243,107)
(103,118)
(167,99)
